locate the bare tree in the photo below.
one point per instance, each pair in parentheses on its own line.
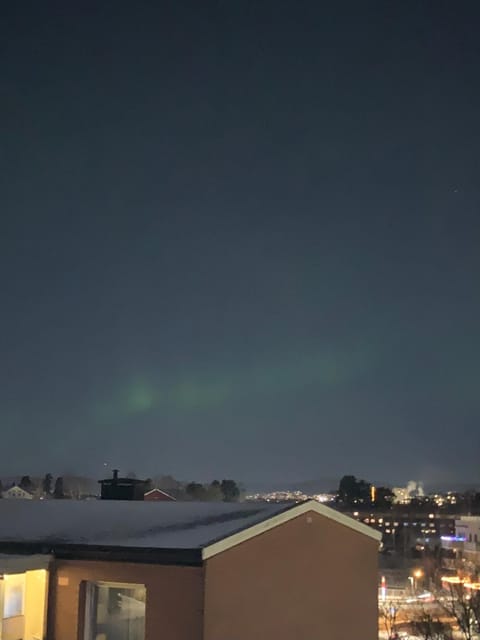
(462,604)
(388,613)
(429,628)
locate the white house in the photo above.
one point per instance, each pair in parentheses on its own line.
(17,493)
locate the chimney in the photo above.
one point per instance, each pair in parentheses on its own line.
(115,475)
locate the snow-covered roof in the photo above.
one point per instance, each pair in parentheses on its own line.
(17,488)
(148,525)
(127,523)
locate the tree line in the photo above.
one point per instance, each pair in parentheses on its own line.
(47,487)
(353,492)
(75,487)
(226,491)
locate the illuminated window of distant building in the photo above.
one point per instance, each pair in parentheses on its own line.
(13,595)
(114,610)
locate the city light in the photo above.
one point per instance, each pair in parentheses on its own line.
(452,580)
(384,589)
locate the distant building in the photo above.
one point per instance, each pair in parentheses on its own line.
(157,495)
(116,488)
(403,495)
(17,493)
(462,550)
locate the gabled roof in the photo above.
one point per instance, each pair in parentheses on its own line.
(284,516)
(157,490)
(202,528)
(17,487)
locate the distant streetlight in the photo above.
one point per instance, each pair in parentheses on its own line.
(417,574)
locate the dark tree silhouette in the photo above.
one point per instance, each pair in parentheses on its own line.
(384,497)
(352,491)
(195,491)
(58,490)
(429,628)
(26,484)
(47,484)
(230,490)
(214,491)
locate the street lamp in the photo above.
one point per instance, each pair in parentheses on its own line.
(412,579)
(417,574)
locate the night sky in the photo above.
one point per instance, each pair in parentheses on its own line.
(241,238)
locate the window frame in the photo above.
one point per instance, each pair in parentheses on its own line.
(90,611)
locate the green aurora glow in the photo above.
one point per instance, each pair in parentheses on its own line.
(211,390)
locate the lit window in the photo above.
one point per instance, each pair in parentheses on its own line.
(115,611)
(13,595)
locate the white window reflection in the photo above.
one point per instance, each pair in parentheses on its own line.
(115,611)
